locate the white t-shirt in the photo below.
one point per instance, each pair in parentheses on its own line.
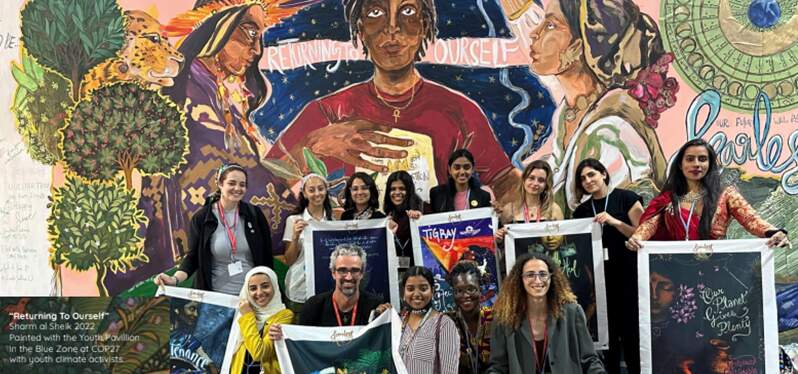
(296,289)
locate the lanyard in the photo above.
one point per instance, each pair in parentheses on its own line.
(468,199)
(689,217)
(231,232)
(606,202)
(338,316)
(538,363)
(472,348)
(526,213)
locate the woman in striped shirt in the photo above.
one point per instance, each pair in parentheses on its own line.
(430,342)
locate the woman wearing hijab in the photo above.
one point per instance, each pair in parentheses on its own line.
(260,307)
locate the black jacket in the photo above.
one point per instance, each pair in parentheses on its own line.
(203,225)
(442,199)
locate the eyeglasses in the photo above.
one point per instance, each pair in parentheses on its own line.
(353,271)
(466,291)
(530,275)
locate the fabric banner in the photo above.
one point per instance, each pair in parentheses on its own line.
(373,348)
(441,240)
(707,306)
(381,277)
(576,246)
(201,322)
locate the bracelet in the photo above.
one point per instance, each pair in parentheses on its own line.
(770,233)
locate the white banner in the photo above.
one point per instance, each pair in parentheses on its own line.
(576,246)
(373,348)
(381,276)
(707,305)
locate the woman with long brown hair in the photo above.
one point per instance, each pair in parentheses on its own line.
(536,312)
(534,201)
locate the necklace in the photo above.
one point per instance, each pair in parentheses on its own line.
(582,103)
(693,196)
(397,110)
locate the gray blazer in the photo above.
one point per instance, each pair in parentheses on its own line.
(570,346)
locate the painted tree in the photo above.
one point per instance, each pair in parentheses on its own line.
(72,36)
(95,224)
(124,126)
(41,102)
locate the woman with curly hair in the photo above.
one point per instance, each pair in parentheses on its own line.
(537,312)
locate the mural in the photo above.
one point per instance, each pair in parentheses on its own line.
(121,110)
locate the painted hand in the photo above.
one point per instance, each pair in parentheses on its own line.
(348,140)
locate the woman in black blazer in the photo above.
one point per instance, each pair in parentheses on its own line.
(227,238)
(462,190)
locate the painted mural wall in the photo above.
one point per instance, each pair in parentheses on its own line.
(118,112)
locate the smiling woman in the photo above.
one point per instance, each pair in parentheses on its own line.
(228,237)
(537,312)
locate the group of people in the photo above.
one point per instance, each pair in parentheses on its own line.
(536,311)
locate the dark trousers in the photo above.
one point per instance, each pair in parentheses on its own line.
(622,317)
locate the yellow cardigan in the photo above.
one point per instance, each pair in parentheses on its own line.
(260,347)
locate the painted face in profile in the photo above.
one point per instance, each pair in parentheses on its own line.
(550,41)
(244,45)
(392,31)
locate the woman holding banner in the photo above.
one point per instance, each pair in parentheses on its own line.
(228,237)
(618,211)
(401,204)
(462,190)
(535,200)
(260,307)
(694,206)
(537,313)
(314,205)
(430,342)
(361,198)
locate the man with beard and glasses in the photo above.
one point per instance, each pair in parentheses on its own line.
(346,305)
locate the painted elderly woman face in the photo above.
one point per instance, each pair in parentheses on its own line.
(550,42)
(243,46)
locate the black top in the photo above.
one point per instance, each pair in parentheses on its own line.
(621,201)
(349,215)
(203,225)
(318,310)
(442,200)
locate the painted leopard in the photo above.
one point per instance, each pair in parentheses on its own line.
(146,58)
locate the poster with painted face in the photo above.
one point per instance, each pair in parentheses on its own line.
(441,240)
(370,349)
(707,307)
(201,323)
(575,245)
(379,275)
